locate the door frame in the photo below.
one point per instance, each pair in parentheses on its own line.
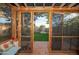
(48,12)
(41,12)
(31,29)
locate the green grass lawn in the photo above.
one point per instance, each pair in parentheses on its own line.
(41,36)
(2,38)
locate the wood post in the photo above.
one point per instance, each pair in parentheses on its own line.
(19,28)
(50,31)
(13,15)
(32,29)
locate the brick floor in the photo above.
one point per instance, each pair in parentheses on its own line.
(41,48)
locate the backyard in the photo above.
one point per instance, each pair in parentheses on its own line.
(41,26)
(40,36)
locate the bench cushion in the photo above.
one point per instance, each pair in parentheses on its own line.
(6,45)
(11,51)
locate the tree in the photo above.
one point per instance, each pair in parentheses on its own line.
(41,28)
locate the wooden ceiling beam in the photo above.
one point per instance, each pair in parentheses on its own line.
(62,5)
(17,4)
(71,5)
(64,9)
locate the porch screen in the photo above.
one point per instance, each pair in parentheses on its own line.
(25,31)
(41,26)
(5,22)
(65,31)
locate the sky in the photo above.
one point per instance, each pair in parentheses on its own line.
(66,18)
(41,21)
(70,16)
(3,20)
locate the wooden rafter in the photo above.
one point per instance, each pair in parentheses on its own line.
(77,6)
(34,4)
(43,4)
(25,4)
(17,4)
(62,5)
(71,5)
(9,5)
(53,4)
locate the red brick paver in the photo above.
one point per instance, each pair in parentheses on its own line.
(40,48)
